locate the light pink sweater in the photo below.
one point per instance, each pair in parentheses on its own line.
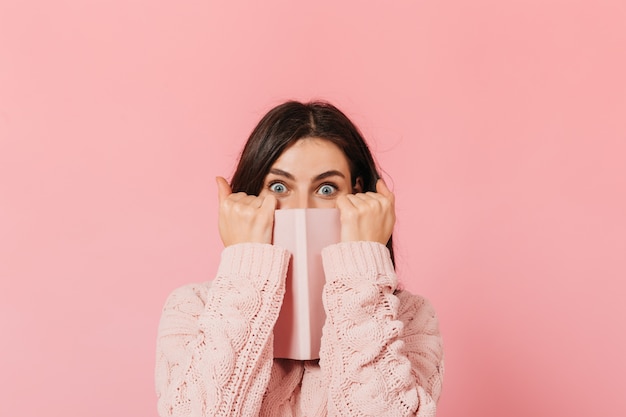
(381,352)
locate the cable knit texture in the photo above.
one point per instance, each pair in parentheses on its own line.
(381,349)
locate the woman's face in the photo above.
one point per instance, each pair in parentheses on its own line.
(311,173)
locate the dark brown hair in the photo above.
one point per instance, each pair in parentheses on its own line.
(291,121)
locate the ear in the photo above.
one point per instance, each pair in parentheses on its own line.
(358,186)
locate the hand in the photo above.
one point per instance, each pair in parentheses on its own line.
(367,216)
(244,218)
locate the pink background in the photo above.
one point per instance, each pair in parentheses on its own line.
(500,125)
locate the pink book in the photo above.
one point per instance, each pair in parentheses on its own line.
(304,233)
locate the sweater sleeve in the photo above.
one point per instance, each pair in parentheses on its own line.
(381,348)
(214,343)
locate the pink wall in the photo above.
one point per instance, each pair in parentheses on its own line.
(501,124)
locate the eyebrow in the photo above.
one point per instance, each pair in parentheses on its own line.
(323,175)
(331,173)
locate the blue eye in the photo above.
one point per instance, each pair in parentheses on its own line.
(327,190)
(278,188)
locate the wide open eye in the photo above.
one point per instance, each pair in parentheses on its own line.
(278,188)
(327,190)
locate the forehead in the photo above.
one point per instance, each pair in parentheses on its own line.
(312,154)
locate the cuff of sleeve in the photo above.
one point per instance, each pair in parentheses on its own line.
(254,262)
(368,261)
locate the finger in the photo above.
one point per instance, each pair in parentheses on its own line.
(381,188)
(343,203)
(385,200)
(370,195)
(223,189)
(353,200)
(361,200)
(363,204)
(246,199)
(369,199)
(269,203)
(236,197)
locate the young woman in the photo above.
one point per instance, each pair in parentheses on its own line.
(381,352)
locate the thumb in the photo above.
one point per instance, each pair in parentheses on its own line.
(223,189)
(381,188)
(269,203)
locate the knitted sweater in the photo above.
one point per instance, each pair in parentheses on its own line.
(381,351)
